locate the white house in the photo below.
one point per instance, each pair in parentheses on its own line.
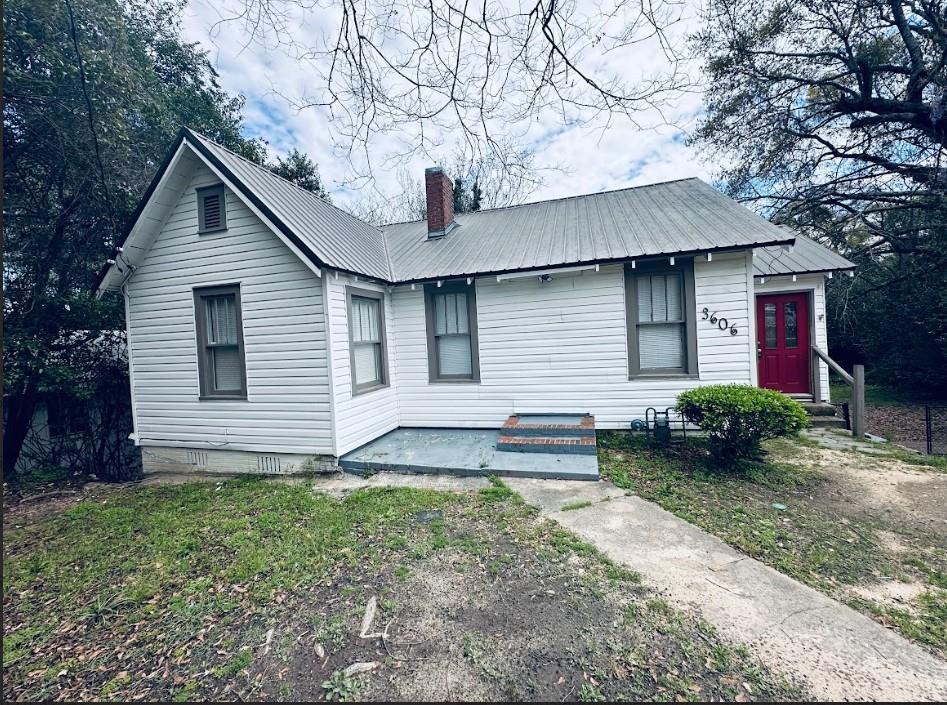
(270,331)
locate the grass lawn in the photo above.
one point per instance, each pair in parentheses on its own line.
(867,530)
(253,589)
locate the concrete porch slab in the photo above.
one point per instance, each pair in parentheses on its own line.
(465,452)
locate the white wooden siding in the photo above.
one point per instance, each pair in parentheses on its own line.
(814,284)
(362,417)
(288,408)
(561,347)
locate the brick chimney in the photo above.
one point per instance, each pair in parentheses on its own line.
(440,201)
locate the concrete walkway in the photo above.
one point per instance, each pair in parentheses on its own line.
(839,653)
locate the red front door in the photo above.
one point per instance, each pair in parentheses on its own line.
(782,342)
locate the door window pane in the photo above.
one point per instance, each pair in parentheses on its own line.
(769,324)
(791,324)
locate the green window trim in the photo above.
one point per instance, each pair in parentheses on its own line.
(431,294)
(688,324)
(211,209)
(207,349)
(352,296)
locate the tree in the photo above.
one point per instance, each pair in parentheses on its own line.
(94,92)
(480,71)
(302,171)
(831,116)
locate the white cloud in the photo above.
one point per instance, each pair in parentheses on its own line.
(592,157)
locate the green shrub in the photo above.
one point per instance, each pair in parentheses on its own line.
(738,417)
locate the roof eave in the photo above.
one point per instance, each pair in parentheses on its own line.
(142,204)
(582,263)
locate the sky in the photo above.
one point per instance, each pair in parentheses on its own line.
(571,157)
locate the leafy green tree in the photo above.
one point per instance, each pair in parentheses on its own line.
(302,171)
(831,116)
(94,92)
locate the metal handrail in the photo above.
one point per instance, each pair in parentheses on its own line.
(857,380)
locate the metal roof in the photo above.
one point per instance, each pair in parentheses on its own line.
(337,239)
(805,256)
(672,218)
(676,217)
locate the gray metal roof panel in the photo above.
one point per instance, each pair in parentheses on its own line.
(660,219)
(337,239)
(805,256)
(667,218)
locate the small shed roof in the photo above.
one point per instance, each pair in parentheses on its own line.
(804,257)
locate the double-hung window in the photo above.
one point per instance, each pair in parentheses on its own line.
(451,311)
(367,353)
(660,318)
(221,365)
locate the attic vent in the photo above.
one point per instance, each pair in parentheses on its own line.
(211,214)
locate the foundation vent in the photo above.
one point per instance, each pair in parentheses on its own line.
(268,463)
(197,457)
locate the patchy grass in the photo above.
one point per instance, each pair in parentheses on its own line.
(251,589)
(791,514)
(572,506)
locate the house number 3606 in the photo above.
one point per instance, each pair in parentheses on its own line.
(719,321)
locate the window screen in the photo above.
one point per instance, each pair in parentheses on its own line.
(221,359)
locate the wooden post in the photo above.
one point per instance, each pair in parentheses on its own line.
(858,402)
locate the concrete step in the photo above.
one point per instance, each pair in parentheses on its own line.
(548,425)
(819,408)
(826,422)
(578,445)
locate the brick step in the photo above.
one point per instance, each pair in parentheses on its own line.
(579,445)
(549,425)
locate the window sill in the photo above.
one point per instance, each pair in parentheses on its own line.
(366,390)
(222,397)
(663,375)
(454,381)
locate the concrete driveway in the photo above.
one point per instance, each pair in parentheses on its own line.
(839,653)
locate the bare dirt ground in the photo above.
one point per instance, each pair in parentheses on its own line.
(511,623)
(251,590)
(885,486)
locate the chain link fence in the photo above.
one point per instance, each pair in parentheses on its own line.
(935,429)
